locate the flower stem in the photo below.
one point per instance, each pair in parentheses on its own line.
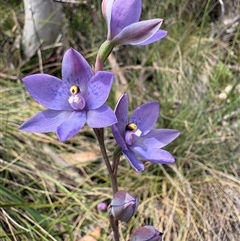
(100,136)
(103,53)
(116,158)
(114,225)
(112,174)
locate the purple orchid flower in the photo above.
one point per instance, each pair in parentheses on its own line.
(78,99)
(124,27)
(136,136)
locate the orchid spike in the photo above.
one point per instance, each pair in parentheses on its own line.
(124,28)
(79,98)
(136,136)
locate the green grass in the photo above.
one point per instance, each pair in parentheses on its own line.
(47,197)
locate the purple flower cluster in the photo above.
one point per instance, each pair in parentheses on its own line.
(80,98)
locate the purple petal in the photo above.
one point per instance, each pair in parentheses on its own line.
(145,116)
(45,121)
(124,13)
(157,138)
(72,125)
(132,159)
(101,117)
(48,90)
(98,89)
(154,155)
(107,8)
(118,137)
(107,13)
(157,36)
(137,33)
(121,111)
(76,70)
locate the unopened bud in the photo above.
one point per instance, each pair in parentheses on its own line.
(123,206)
(102,207)
(146,233)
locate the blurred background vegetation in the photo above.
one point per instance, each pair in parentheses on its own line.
(49,190)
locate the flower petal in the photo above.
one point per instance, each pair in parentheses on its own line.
(72,125)
(101,117)
(134,162)
(124,13)
(121,111)
(157,138)
(45,121)
(48,90)
(154,155)
(145,116)
(107,13)
(76,70)
(157,36)
(137,33)
(118,137)
(98,89)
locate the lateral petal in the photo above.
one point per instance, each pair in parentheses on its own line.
(45,121)
(145,116)
(134,162)
(48,90)
(98,89)
(157,138)
(137,33)
(101,117)
(72,125)
(154,155)
(76,70)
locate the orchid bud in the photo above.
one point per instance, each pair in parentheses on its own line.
(146,233)
(102,207)
(123,206)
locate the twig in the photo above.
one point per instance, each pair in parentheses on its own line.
(6,76)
